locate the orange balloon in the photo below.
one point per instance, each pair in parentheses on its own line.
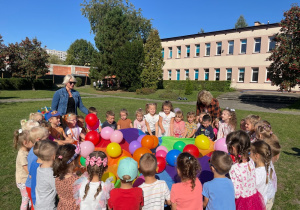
(138,153)
(147,141)
(155,143)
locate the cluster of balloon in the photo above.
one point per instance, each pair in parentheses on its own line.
(172,157)
(108,133)
(202,142)
(134,145)
(114,150)
(192,149)
(179,145)
(161,153)
(93,136)
(221,145)
(92,121)
(86,148)
(149,142)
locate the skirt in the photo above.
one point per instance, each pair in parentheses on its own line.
(255,202)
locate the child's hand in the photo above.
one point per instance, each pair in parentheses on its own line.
(163,131)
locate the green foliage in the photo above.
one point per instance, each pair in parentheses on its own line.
(188,87)
(145,91)
(54,59)
(285,67)
(241,22)
(25,84)
(79,81)
(2,56)
(169,94)
(153,63)
(198,85)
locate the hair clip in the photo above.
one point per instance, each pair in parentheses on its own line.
(20,131)
(77,152)
(189,157)
(232,110)
(60,157)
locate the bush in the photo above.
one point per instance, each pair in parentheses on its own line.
(169,94)
(145,91)
(199,85)
(25,84)
(188,88)
(79,81)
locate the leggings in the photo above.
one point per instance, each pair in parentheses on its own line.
(24,194)
(28,189)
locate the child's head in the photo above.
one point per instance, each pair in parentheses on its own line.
(151,108)
(47,150)
(45,124)
(238,144)
(80,121)
(123,114)
(21,139)
(27,125)
(191,117)
(148,165)
(139,114)
(263,129)
(167,107)
(36,149)
(37,116)
(275,147)
(178,116)
(216,123)
(65,160)
(53,117)
(188,167)
(71,119)
(229,116)
(127,170)
(92,110)
(221,162)
(206,120)
(250,121)
(38,133)
(110,116)
(242,125)
(201,116)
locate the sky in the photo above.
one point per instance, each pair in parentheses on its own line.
(58,23)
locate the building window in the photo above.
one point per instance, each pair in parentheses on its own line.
(170,74)
(178,52)
(206,74)
(254,75)
(187,74)
(163,52)
(207,49)
(197,53)
(170,52)
(228,74)
(267,76)
(230,47)
(243,46)
(219,48)
(217,74)
(187,51)
(272,43)
(257,44)
(241,75)
(196,74)
(178,74)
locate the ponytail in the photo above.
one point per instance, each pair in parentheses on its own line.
(16,138)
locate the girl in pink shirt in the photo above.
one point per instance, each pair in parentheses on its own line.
(187,193)
(179,129)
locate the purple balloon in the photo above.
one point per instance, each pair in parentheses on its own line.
(221,145)
(133,146)
(139,139)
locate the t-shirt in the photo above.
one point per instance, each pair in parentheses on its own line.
(126,199)
(272,184)
(45,189)
(124,123)
(32,172)
(220,192)
(261,186)
(74,132)
(190,128)
(30,158)
(140,125)
(166,121)
(155,195)
(186,198)
(209,132)
(21,174)
(179,128)
(152,120)
(113,125)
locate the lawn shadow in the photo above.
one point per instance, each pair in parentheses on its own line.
(297,150)
(8,97)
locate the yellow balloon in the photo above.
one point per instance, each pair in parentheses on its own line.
(107,175)
(202,142)
(121,158)
(114,149)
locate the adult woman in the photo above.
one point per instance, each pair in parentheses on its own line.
(207,103)
(67,100)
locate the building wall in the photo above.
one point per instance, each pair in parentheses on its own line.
(61,54)
(55,69)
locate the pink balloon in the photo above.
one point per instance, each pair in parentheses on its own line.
(86,148)
(221,145)
(94,127)
(161,153)
(116,136)
(162,148)
(106,132)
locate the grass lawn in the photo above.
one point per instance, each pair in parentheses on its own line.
(285,126)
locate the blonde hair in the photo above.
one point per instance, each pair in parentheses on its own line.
(34,116)
(139,111)
(67,79)
(263,129)
(232,120)
(215,121)
(20,137)
(179,114)
(204,97)
(38,132)
(253,119)
(148,165)
(189,114)
(69,115)
(27,125)
(150,104)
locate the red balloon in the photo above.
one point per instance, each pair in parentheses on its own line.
(91,120)
(93,136)
(192,149)
(161,164)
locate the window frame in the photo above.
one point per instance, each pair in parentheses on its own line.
(207,46)
(241,47)
(178,55)
(252,73)
(241,70)
(169,74)
(163,52)
(266,78)
(229,70)
(196,50)
(187,51)
(271,38)
(255,42)
(229,47)
(170,52)
(217,48)
(217,74)
(187,73)
(196,71)
(177,74)
(206,72)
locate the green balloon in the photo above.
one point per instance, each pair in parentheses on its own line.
(118,183)
(179,145)
(82,161)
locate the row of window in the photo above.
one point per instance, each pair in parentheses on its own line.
(219,50)
(241,74)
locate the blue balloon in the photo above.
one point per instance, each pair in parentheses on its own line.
(172,156)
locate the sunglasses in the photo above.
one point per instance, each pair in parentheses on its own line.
(72,83)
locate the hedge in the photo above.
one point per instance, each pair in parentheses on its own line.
(25,84)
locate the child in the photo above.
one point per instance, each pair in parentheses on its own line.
(219,193)
(80,123)
(110,120)
(90,191)
(37,116)
(27,125)
(242,125)
(166,119)
(187,193)
(45,183)
(139,122)
(93,110)
(72,130)
(206,128)
(179,129)
(227,124)
(261,155)
(250,121)
(65,161)
(124,122)
(156,192)
(200,118)
(190,125)
(215,126)
(242,172)
(263,130)
(151,119)
(126,197)
(22,142)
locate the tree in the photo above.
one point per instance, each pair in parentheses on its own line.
(81,53)
(201,31)
(241,23)
(285,67)
(152,71)
(54,59)
(27,59)
(2,55)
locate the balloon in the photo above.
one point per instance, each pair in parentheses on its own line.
(113,149)
(116,136)
(138,181)
(161,153)
(155,142)
(82,161)
(108,175)
(192,149)
(91,120)
(86,148)
(172,157)
(94,127)
(106,133)
(162,148)
(161,164)
(179,145)
(121,158)
(93,136)
(221,145)
(139,139)
(147,141)
(118,183)
(140,152)
(202,142)
(133,146)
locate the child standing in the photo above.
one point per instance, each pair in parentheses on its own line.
(206,128)
(166,118)
(179,129)
(93,110)
(250,122)
(126,197)
(156,192)
(219,193)
(215,126)
(139,122)
(151,119)
(90,191)
(72,130)
(190,125)
(110,120)
(227,124)
(185,195)
(124,122)
(242,172)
